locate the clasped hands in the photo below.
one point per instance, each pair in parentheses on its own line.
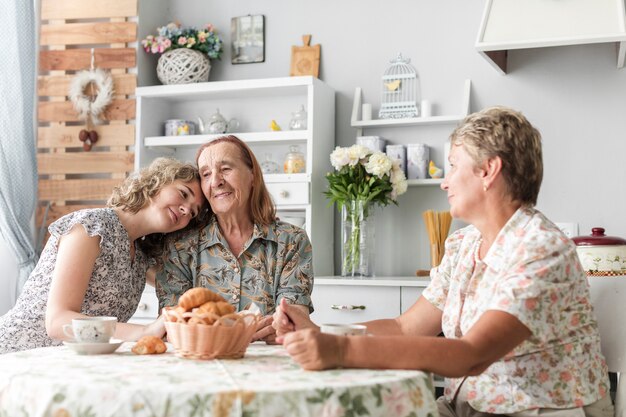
(303,340)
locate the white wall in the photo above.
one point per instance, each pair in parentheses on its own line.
(574,95)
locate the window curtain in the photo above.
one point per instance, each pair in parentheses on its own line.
(18,165)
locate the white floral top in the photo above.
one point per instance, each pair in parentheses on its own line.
(533,273)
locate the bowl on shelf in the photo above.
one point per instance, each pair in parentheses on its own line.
(179,127)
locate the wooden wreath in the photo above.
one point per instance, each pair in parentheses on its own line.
(90,108)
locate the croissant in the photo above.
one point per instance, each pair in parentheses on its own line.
(220,308)
(197,296)
(148,345)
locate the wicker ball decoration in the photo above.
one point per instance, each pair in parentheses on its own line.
(183,66)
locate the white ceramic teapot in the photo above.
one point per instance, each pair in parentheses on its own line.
(217,124)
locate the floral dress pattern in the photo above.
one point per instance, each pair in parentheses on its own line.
(114,289)
(277,262)
(532,272)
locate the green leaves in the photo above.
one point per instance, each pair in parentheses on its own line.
(354,183)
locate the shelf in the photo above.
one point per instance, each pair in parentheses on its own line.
(265,87)
(356,121)
(512,24)
(288,137)
(374,281)
(425,183)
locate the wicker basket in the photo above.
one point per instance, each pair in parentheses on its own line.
(227,338)
(183,66)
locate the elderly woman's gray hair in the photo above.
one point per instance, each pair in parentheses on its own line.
(504,132)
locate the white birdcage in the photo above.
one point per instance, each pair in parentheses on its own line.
(400,90)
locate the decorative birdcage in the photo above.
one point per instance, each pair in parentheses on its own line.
(400,90)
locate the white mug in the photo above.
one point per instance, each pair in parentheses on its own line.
(344,329)
(91,329)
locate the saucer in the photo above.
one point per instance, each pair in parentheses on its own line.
(93,348)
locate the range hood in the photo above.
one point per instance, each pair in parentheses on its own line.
(523,24)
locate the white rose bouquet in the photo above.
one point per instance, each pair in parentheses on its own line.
(361,179)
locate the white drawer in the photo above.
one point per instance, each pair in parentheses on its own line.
(353,304)
(285,193)
(408,297)
(148,307)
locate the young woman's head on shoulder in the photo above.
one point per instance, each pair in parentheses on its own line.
(139,189)
(505,133)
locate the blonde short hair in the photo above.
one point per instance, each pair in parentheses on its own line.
(506,133)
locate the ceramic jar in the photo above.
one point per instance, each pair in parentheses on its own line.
(179,127)
(601,255)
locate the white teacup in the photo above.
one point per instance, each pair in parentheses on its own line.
(344,329)
(91,329)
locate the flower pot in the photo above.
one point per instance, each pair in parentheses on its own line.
(357,243)
(183,66)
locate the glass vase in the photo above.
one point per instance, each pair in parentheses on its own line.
(357,239)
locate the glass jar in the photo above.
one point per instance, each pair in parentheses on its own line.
(294,161)
(268,166)
(298,119)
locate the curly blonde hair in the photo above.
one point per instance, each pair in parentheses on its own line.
(506,133)
(135,192)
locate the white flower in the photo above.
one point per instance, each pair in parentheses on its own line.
(356,153)
(339,158)
(398,188)
(379,164)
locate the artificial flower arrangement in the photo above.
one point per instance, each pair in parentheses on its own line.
(362,178)
(174,36)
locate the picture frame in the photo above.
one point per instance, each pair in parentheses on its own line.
(248,39)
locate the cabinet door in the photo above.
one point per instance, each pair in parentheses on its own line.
(408,297)
(354,304)
(148,308)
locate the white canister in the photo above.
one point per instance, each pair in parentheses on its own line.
(417,157)
(601,255)
(375,143)
(398,152)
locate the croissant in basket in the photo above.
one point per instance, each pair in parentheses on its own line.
(211,329)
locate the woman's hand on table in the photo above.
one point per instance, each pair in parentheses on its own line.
(290,317)
(314,350)
(265,331)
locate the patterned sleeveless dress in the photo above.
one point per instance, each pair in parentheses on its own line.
(114,289)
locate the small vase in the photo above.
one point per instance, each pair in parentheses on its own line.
(357,240)
(183,66)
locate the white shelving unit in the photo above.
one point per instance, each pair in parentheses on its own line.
(360,124)
(255,103)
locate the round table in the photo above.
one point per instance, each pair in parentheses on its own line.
(57,382)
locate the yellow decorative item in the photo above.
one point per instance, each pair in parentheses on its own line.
(434,171)
(274,126)
(393,86)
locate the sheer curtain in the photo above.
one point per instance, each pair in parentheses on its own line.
(18,165)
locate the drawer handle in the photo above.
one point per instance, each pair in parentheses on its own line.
(346,307)
(284,193)
(142,306)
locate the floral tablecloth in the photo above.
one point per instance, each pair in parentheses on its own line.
(56,382)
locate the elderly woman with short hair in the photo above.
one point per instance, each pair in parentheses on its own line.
(510,295)
(243,253)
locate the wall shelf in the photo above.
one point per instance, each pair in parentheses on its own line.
(290,137)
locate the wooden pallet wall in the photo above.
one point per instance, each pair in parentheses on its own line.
(69,177)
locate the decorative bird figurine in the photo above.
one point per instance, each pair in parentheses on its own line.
(393,85)
(274,126)
(434,171)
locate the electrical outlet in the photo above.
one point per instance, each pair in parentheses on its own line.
(570,229)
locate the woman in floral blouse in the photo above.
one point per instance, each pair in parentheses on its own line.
(510,295)
(243,253)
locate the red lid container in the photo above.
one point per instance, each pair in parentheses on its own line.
(598,238)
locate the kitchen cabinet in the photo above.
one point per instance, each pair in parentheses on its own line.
(148,308)
(255,103)
(512,24)
(345,300)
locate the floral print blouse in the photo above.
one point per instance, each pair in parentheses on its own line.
(532,272)
(276,263)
